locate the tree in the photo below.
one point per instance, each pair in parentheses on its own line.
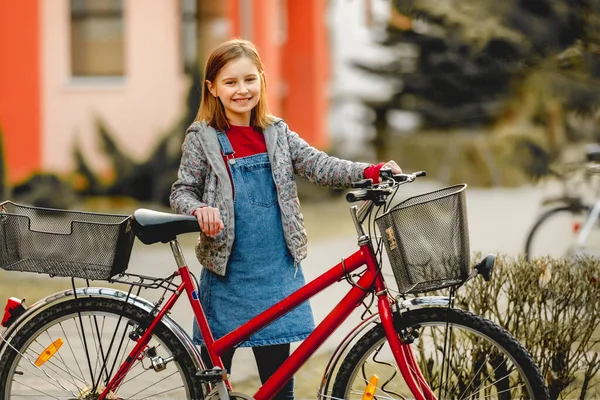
(479,60)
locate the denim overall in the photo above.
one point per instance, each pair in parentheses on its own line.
(260,270)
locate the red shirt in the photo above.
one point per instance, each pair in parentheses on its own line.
(248,140)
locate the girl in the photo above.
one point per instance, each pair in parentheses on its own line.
(237,176)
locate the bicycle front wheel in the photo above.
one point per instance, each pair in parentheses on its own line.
(555,232)
(72,349)
(460,355)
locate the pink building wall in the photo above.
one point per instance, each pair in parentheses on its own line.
(137,108)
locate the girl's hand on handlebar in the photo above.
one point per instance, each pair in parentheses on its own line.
(209,219)
(393,166)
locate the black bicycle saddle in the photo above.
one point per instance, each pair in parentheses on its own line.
(154,226)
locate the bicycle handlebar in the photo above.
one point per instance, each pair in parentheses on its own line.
(387,174)
(378,192)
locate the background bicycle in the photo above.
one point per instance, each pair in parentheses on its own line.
(414,320)
(569,221)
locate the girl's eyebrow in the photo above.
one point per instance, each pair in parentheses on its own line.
(233,79)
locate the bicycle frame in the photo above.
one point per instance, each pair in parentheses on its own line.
(588,226)
(371,279)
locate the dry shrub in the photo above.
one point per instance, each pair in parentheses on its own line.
(552,306)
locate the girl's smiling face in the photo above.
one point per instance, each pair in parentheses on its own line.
(237,85)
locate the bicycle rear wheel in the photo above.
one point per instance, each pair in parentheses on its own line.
(478,360)
(554,234)
(72,349)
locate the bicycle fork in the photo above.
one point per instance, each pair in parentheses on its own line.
(402,352)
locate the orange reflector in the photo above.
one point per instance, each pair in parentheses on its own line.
(576,226)
(369,393)
(49,352)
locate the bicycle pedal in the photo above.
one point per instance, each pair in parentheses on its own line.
(213,375)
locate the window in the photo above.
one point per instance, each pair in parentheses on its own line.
(97,43)
(189,34)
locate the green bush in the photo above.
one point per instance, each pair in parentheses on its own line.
(552,306)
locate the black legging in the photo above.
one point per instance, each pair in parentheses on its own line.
(268,359)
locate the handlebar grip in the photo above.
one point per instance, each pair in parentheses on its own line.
(406,177)
(359,195)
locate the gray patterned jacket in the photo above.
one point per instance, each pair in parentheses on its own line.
(203,180)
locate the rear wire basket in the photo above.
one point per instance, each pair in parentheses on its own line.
(427,240)
(64,243)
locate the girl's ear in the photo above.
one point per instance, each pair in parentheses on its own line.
(211,88)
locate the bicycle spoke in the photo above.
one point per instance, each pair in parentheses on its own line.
(156,394)
(103,367)
(478,373)
(159,393)
(36,390)
(65,369)
(68,342)
(51,380)
(98,347)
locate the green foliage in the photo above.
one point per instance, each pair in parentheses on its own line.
(473,56)
(45,190)
(41,189)
(146,181)
(553,308)
(478,64)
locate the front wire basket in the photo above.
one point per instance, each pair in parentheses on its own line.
(426,238)
(64,243)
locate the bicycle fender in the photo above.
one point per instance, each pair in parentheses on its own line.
(107,293)
(422,302)
(358,330)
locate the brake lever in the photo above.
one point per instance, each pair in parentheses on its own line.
(386,173)
(362,184)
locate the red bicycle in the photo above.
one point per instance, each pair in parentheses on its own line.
(101,343)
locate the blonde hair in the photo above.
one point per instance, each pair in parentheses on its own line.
(211,109)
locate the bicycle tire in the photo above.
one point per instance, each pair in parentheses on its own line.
(493,351)
(543,220)
(90,349)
